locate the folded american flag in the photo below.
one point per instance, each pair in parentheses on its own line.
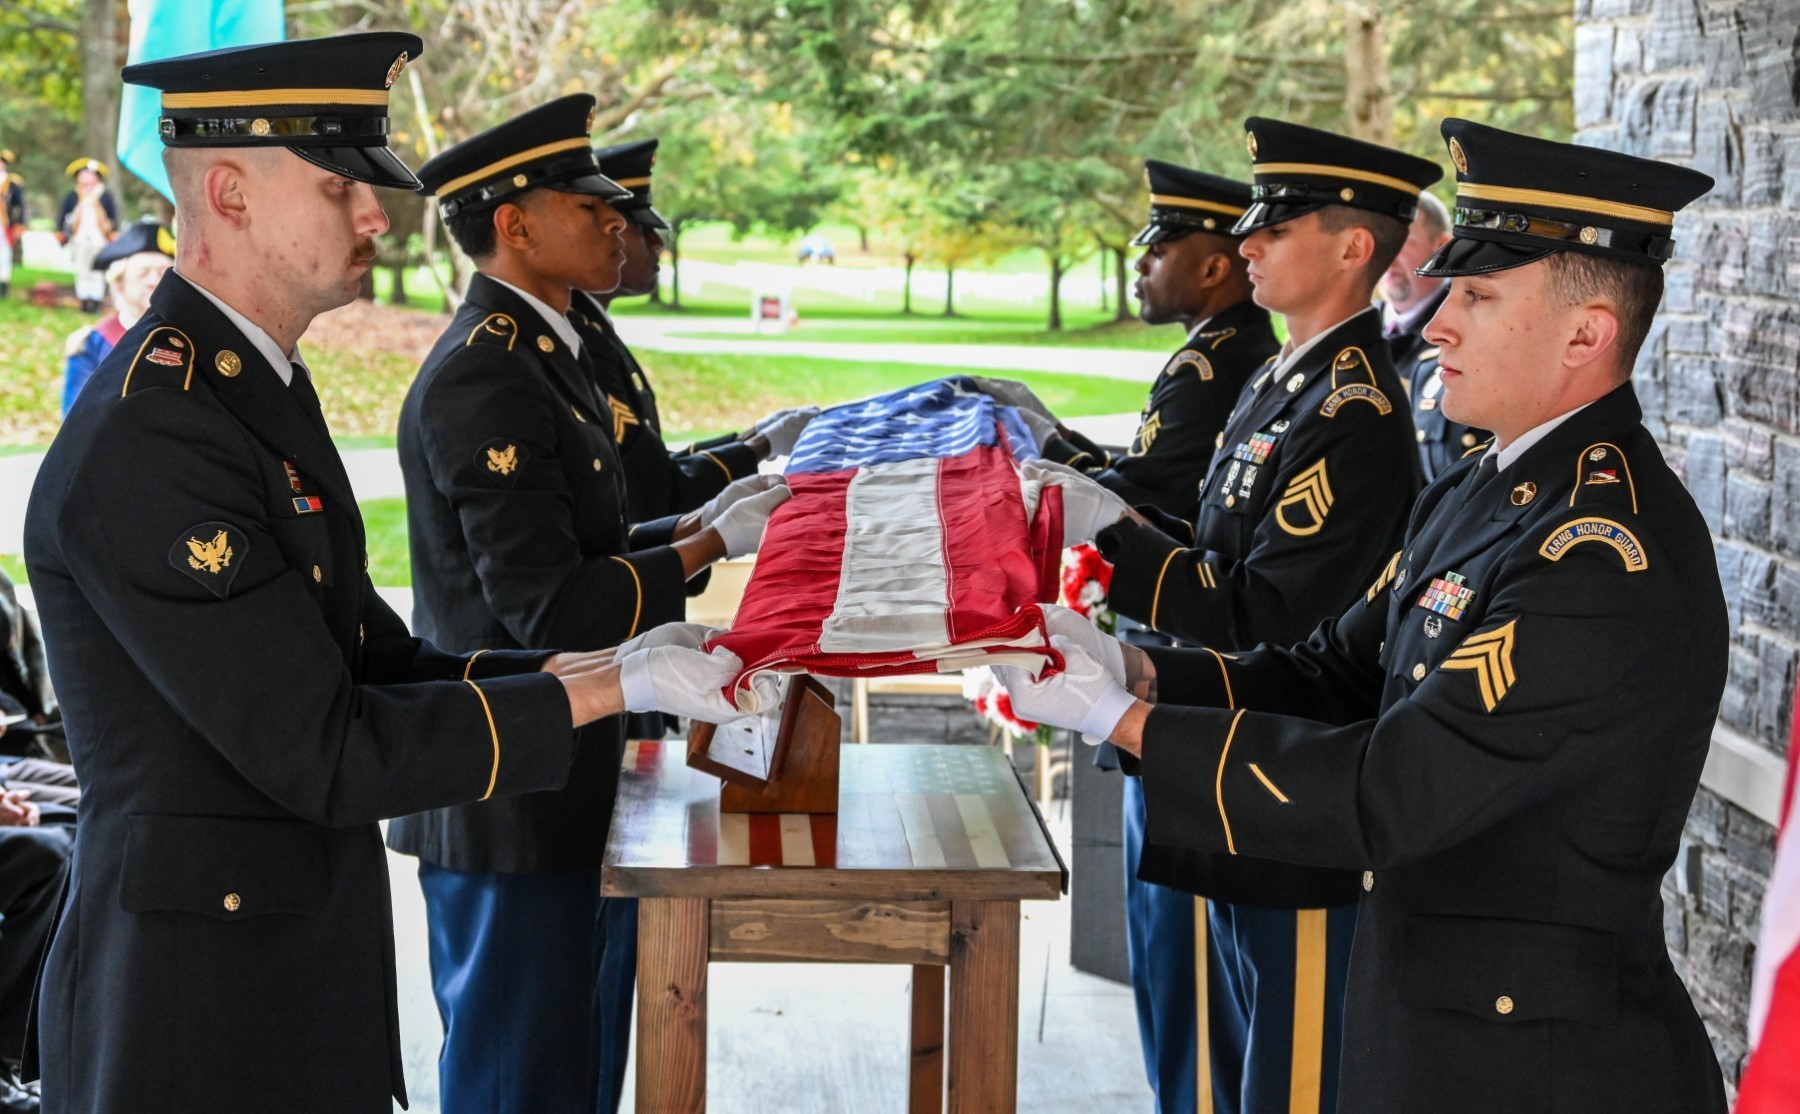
(911,544)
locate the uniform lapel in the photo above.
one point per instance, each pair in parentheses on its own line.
(566,370)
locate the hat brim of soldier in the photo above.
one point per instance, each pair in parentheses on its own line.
(595,185)
(647,217)
(1262,214)
(1158,233)
(1466,255)
(378,166)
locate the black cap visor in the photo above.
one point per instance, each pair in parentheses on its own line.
(593,183)
(1262,214)
(377,166)
(1158,233)
(644,215)
(1466,255)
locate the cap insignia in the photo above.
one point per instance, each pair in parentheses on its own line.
(1250,142)
(1590,234)
(519,180)
(1456,156)
(1346,193)
(393,73)
(259,126)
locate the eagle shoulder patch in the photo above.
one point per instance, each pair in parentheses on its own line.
(497,328)
(210,553)
(1488,655)
(1595,529)
(499,461)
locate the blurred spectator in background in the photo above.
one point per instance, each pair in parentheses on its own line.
(133,264)
(12,218)
(818,249)
(86,223)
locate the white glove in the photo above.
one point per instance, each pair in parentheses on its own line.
(783,428)
(688,635)
(1088,508)
(688,683)
(1011,392)
(1043,430)
(1096,643)
(742,524)
(1083,696)
(738,490)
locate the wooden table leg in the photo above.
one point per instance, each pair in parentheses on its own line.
(925,1082)
(984,1007)
(671,1030)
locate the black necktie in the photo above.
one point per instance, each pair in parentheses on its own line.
(1485,471)
(307,397)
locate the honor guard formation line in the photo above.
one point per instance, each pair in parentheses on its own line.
(1423,644)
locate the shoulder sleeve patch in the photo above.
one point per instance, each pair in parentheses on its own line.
(166,359)
(1603,479)
(210,553)
(1594,529)
(498,328)
(1194,358)
(1355,392)
(499,461)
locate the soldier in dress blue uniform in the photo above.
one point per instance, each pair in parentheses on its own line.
(1408,301)
(1190,273)
(1307,495)
(517,508)
(1503,735)
(240,704)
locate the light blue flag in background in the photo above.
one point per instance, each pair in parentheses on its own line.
(166,29)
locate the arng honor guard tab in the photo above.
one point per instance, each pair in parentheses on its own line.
(1184,201)
(1301,169)
(326,100)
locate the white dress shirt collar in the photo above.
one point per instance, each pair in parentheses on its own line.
(559,323)
(1529,438)
(1295,355)
(259,339)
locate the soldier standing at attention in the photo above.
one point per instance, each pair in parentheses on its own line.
(240,705)
(516,506)
(1191,274)
(1503,735)
(1307,497)
(1408,300)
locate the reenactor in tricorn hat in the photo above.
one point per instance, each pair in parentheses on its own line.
(1306,497)
(1501,736)
(12,218)
(241,705)
(86,222)
(518,511)
(133,265)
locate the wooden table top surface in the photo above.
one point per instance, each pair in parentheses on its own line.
(915,822)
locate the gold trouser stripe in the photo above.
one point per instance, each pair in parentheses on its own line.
(469,664)
(494,774)
(1195,203)
(1230,703)
(1571,201)
(1156,598)
(509,162)
(638,612)
(632,183)
(316,98)
(1219,785)
(1202,1019)
(1305,1074)
(1354,175)
(720,463)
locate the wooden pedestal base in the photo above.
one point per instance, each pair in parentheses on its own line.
(794,771)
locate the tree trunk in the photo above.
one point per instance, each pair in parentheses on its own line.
(397,292)
(906,286)
(1121,311)
(1105,261)
(862,238)
(100,62)
(1368,94)
(1056,273)
(365,286)
(675,266)
(949,290)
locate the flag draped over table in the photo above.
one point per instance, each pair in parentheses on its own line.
(166,29)
(911,544)
(1771,1081)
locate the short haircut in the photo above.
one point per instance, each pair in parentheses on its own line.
(1433,215)
(473,231)
(1635,290)
(1389,233)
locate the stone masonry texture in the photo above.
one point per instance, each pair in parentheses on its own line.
(1715,84)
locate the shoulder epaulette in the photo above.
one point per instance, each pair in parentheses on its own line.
(164,359)
(1194,358)
(1603,479)
(1217,336)
(497,328)
(77,341)
(1354,364)
(1481,448)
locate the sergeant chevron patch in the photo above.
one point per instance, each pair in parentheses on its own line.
(1386,577)
(1488,655)
(1309,492)
(1603,530)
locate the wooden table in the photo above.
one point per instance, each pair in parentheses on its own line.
(925,863)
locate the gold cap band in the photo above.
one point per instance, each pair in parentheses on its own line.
(1187,203)
(248,98)
(633,183)
(1570,201)
(1311,169)
(511,161)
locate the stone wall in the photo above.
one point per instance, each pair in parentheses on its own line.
(1713,84)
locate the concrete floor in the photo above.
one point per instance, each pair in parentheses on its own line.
(810,1038)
